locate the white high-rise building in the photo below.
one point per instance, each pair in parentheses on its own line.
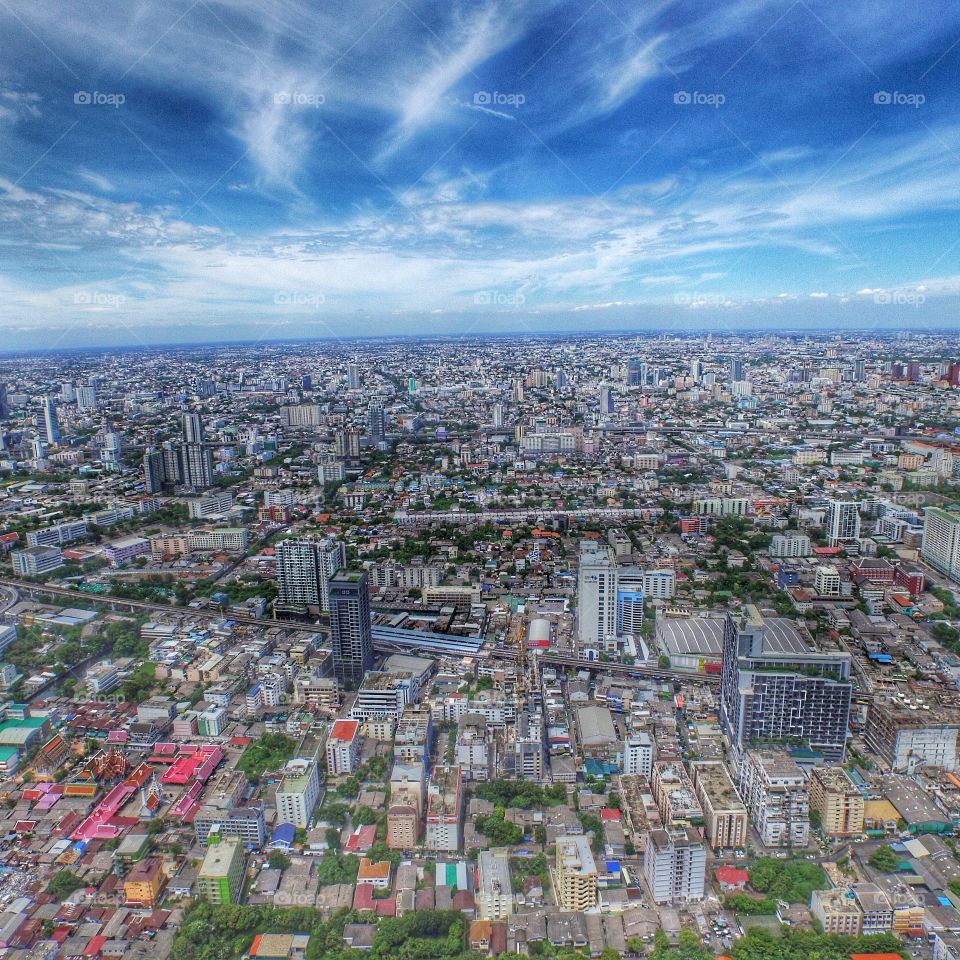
(674,864)
(304,568)
(298,792)
(941,541)
(596,594)
(87,397)
(638,752)
(843,522)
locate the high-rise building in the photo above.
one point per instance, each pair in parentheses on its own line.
(940,546)
(638,754)
(192,428)
(347,443)
(220,879)
(842,522)
(353,376)
(298,792)
(154,475)
(607,402)
(776,686)
(735,370)
(304,568)
(350,631)
(775,792)
(4,403)
(87,397)
(675,865)
(596,594)
(576,873)
(494,895)
(197,465)
(376,422)
(172,463)
(51,429)
(634,377)
(696,368)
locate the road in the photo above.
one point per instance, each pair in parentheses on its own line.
(8,598)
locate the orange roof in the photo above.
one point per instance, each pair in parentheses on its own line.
(373,871)
(345,730)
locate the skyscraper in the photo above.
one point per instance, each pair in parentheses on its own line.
(353,376)
(154,475)
(51,429)
(197,465)
(350,630)
(842,522)
(376,422)
(596,594)
(4,403)
(304,568)
(87,397)
(607,404)
(192,428)
(736,369)
(940,546)
(634,376)
(777,686)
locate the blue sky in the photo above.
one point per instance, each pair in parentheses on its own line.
(184,170)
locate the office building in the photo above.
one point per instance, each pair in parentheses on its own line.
(444,809)
(674,865)
(220,879)
(837,801)
(776,686)
(576,873)
(596,594)
(353,376)
(494,896)
(735,370)
(842,522)
(304,568)
(36,561)
(350,632)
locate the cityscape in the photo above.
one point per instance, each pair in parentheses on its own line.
(554,646)
(479,480)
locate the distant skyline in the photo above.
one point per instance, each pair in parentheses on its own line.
(184,172)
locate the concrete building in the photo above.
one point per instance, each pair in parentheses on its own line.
(674,866)
(842,522)
(837,801)
(350,631)
(444,809)
(494,895)
(777,686)
(383,694)
(940,546)
(774,791)
(298,792)
(343,748)
(576,873)
(304,568)
(220,878)
(596,594)
(638,754)
(837,912)
(36,561)
(724,814)
(909,732)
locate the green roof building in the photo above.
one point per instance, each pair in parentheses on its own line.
(220,879)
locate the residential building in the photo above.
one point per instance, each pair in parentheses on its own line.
(837,800)
(494,895)
(724,814)
(350,631)
(576,873)
(444,809)
(343,748)
(674,865)
(774,791)
(220,878)
(298,792)
(304,568)
(777,686)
